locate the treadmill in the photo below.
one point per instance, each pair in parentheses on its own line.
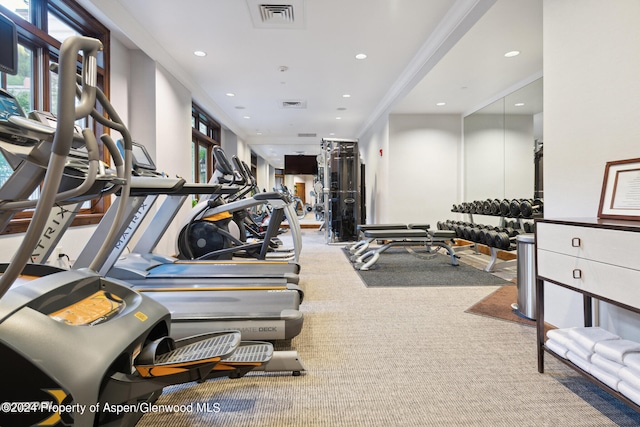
(262,308)
(141,263)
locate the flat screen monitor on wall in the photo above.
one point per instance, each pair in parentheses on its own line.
(8,46)
(300,165)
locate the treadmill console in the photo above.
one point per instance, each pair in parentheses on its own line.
(9,106)
(142,165)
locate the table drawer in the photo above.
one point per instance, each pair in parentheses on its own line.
(605,280)
(608,246)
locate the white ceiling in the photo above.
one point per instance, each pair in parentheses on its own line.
(419,53)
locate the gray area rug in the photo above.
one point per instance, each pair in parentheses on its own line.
(402,268)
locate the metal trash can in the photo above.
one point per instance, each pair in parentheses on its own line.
(526,276)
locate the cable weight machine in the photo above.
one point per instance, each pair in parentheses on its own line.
(343,187)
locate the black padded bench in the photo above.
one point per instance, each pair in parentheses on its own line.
(402,237)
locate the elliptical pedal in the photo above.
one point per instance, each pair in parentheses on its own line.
(251,352)
(166,356)
(248,356)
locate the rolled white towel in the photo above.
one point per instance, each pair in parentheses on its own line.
(556,347)
(607,378)
(630,377)
(579,350)
(632,360)
(580,362)
(606,365)
(587,337)
(628,390)
(561,336)
(616,349)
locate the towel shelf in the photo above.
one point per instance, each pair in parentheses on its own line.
(597,259)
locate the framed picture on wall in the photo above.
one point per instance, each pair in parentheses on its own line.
(620,197)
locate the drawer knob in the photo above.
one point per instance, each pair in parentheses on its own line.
(575,242)
(577,273)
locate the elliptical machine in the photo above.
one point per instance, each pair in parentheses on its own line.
(215,229)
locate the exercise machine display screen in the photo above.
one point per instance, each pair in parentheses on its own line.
(93,310)
(9,106)
(141,157)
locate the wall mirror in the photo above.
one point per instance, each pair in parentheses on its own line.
(500,142)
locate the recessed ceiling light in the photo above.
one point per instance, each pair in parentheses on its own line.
(346,95)
(512,53)
(230,94)
(332,134)
(247,117)
(441,104)
(200,53)
(361,56)
(519,104)
(258,133)
(338,118)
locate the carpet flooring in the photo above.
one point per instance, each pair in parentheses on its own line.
(400,268)
(396,356)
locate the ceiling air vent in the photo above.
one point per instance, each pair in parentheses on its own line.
(307,135)
(293,103)
(276,13)
(283,15)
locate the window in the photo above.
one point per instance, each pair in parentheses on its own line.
(205,133)
(42,26)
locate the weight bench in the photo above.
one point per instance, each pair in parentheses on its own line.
(360,247)
(404,237)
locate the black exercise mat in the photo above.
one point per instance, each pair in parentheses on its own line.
(400,268)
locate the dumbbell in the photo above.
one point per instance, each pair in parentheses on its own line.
(530,207)
(495,207)
(511,232)
(505,207)
(486,207)
(477,234)
(529,227)
(504,242)
(514,208)
(489,237)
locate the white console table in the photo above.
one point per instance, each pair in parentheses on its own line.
(599,259)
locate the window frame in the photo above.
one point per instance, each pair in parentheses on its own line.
(210,138)
(33,34)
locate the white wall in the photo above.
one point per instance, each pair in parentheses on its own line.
(376,171)
(173,143)
(423,175)
(592,116)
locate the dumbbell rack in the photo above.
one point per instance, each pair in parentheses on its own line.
(497,208)
(494,262)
